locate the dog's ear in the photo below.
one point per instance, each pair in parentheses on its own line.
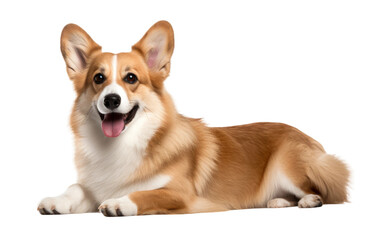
(77,48)
(156,47)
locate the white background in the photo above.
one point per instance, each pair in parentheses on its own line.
(315,65)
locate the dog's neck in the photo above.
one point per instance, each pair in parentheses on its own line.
(175,137)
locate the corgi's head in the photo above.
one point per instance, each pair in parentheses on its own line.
(120,91)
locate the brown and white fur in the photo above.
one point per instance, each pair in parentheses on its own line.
(163,162)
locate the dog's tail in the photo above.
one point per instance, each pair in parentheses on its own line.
(330,176)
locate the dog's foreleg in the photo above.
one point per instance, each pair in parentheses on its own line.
(73,200)
(159,201)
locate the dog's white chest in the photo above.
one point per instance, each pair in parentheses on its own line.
(108,178)
(108,163)
(107,174)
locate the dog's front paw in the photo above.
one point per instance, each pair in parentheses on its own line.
(54,205)
(118,207)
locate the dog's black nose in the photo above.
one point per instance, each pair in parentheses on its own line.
(112,101)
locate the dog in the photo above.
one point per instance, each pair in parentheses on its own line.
(135,154)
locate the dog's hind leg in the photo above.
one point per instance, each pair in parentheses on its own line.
(310,201)
(281,203)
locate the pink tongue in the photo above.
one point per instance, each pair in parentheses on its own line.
(113,124)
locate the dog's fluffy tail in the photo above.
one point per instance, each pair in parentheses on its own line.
(330,176)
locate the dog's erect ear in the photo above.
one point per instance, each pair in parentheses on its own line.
(157,46)
(77,48)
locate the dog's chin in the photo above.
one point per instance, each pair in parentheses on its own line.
(114,123)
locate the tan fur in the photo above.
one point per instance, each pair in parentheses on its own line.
(211,169)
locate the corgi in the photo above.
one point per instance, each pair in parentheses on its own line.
(135,154)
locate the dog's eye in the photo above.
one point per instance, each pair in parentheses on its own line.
(130,78)
(99,78)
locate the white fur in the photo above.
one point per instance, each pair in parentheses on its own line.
(114,67)
(155,182)
(124,106)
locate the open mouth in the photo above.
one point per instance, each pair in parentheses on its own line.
(114,123)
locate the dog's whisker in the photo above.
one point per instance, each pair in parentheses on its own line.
(146,108)
(87,116)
